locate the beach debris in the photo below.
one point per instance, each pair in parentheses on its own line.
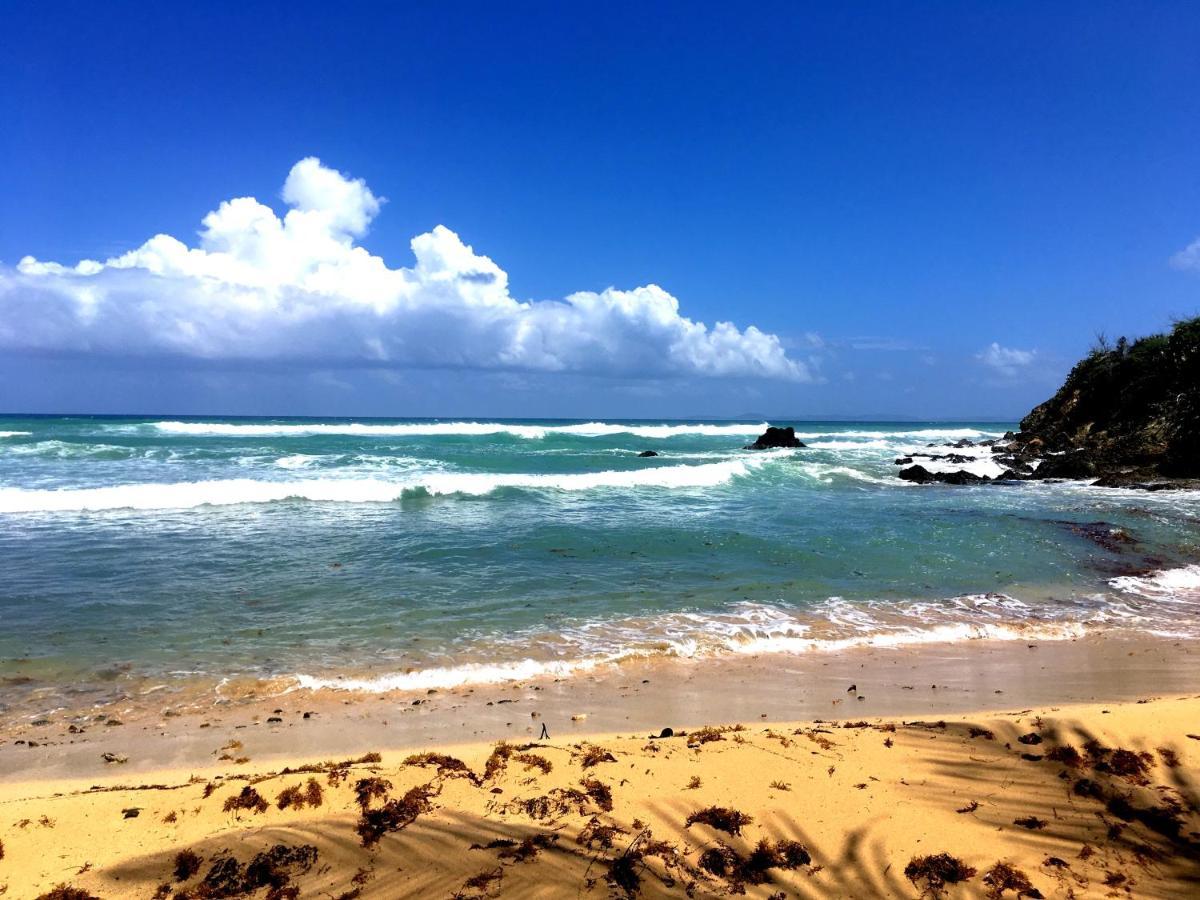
(710,733)
(985,733)
(528,847)
(556,803)
(131,813)
(725,862)
(447,766)
(722,818)
(969,808)
(545,735)
(1067,755)
(272,869)
(1002,877)
(481,882)
(187,864)
(780,786)
(932,873)
(1030,739)
(249,799)
(371,788)
(852,689)
(66,892)
(114,758)
(534,761)
(395,815)
(624,872)
(694,783)
(597,834)
(578,717)
(592,755)
(298,796)
(1033,823)
(600,793)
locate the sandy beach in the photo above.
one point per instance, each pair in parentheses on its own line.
(1027,797)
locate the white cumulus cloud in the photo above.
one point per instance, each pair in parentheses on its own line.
(299,288)
(1006,361)
(1188,257)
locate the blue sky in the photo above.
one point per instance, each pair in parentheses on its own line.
(923,210)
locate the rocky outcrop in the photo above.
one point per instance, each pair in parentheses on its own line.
(775,437)
(1128,415)
(647,453)
(921,475)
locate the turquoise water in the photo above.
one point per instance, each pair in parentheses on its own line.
(377,554)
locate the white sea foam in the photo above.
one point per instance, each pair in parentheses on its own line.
(8,434)
(427,429)
(1181,585)
(926,434)
(187,495)
(746,629)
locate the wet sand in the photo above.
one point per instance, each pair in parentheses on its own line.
(271,725)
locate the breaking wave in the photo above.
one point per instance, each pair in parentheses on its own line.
(187,495)
(428,429)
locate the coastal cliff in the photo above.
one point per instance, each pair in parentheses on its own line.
(1128,415)
(1128,412)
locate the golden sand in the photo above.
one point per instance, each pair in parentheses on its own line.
(1083,801)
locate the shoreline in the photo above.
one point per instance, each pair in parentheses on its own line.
(1069,801)
(977,676)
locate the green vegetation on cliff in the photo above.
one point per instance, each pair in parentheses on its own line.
(1129,409)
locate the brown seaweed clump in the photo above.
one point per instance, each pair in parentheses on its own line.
(1002,877)
(725,862)
(731,821)
(395,815)
(528,848)
(272,869)
(249,799)
(624,872)
(187,864)
(932,873)
(297,796)
(710,733)
(66,892)
(534,761)
(600,793)
(368,789)
(447,766)
(592,755)
(597,834)
(1033,823)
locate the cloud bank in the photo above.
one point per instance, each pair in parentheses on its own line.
(298,288)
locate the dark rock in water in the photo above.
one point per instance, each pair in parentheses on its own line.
(775,437)
(648,453)
(920,475)
(1075,464)
(903,461)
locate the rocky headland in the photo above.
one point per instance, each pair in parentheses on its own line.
(1128,415)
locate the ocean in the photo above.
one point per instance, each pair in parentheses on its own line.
(143,555)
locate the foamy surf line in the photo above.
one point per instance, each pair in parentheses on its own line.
(470,674)
(189,495)
(436,429)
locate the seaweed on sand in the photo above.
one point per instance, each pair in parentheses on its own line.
(600,793)
(298,796)
(272,869)
(371,788)
(395,815)
(725,862)
(936,871)
(187,864)
(592,755)
(534,761)
(1002,877)
(596,834)
(447,766)
(625,871)
(66,892)
(722,818)
(528,848)
(249,799)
